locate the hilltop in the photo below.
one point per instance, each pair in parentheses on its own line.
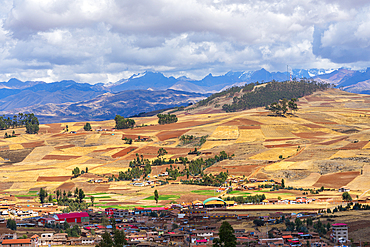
(325,143)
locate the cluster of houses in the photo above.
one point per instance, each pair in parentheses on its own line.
(179,225)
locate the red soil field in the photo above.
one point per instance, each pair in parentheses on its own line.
(333,141)
(164,135)
(65,146)
(242,121)
(354,146)
(312,126)
(4,148)
(54,128)
(53,179)
(336,180)
(66,186)
(171,126)
(154,150)
(33,144)
(60,157)
(310,135)
(5,185)
(249,127)
(123,152)
(277,140)
(57,135)
(104,150)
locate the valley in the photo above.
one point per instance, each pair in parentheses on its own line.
(324,144)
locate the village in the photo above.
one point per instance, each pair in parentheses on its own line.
(193,223)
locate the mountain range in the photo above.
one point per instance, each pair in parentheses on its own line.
(64,100)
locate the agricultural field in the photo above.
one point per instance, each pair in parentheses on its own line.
(326,143)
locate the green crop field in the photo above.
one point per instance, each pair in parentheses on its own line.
(239,192)
(164,197)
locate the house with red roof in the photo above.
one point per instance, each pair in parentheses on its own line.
(18,242)
(73,218)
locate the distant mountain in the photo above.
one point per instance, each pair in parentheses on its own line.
(349,80)
(16,94)
(25,94)
(147,80)
(106,106)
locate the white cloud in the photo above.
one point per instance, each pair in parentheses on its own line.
(101,40)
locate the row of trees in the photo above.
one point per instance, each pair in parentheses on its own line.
(79,194)
(124,123)
(167,118)
(18,120)
(273,92)
(247,199)
(281,107)
(76,171)
(208,180)
(142,167)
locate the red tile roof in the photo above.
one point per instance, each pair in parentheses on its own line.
(72,215)
(16,241)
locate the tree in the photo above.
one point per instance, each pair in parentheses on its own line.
(32,126)
(92,198)
(76,172)
(87,127)
(166,118)
(292,105)
(81,195)
(42,195)
(226,236)
(112,222)
(11,224)
(119,238)
(58,194)
(124,123)
(161,152)
(346,196)
(156,196)
(50,199)
(282,183)
(106,240)
(66,225)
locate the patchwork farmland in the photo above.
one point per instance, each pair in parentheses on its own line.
(325,143)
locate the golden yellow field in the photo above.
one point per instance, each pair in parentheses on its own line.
(309,149)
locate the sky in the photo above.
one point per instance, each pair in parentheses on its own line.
(107,40)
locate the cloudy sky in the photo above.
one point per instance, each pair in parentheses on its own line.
(106,40)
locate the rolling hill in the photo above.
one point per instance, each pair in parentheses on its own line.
(106,106)
(325,143)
